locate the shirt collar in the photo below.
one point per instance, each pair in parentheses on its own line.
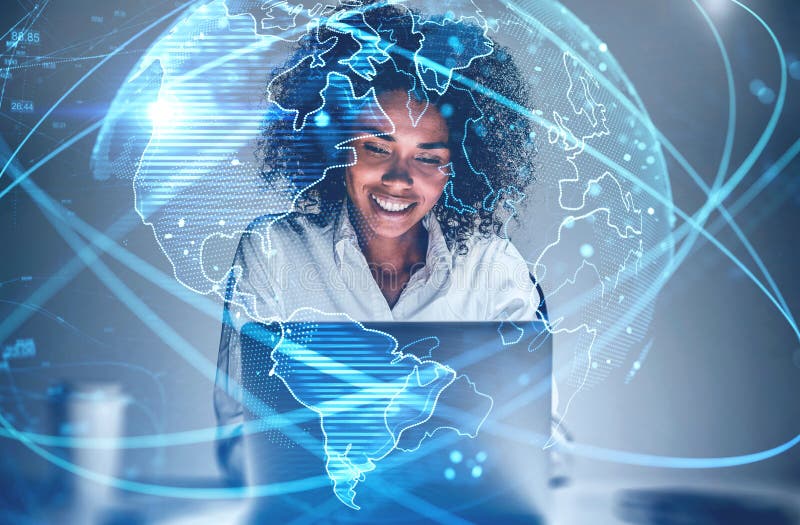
(343,229)
(437,257)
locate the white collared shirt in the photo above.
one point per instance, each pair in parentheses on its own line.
(314,260)
(306,260)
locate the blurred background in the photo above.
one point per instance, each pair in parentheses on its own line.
(89,334)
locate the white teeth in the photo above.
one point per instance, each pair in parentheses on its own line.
(390,206)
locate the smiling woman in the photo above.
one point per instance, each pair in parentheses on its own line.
(405,176)
(410,162)
(394,179)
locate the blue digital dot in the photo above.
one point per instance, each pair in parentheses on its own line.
(650,160)
(455,44)
(766,95)
(477,470)
(446,110)
(641,146)
(602,66)
(449,473)
(322,119)
(481,456)
(587,251)
(794,70)
(456,456)
(756,85)
(626,157)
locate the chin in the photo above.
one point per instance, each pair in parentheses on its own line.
(390,229)
(390,233)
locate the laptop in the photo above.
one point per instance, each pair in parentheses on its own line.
(398,422)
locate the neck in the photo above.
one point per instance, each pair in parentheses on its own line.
(395,254)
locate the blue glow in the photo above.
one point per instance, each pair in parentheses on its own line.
(794,70)
(322,119)
(446,110)
(756,85)
(189,89)
(766,95)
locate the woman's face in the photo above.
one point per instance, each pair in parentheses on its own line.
(399,176)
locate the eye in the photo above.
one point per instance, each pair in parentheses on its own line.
(376,149)
(433,161)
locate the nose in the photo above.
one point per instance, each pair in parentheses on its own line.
(398,175)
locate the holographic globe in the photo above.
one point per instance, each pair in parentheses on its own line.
(595,225)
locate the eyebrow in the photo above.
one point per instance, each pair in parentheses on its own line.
(422,145)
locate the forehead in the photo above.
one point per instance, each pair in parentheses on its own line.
(408,116)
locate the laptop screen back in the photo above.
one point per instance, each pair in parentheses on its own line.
(401,417)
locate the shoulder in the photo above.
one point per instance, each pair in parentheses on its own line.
(278,223)
(510,272)
(495,265)
(494,250)
(286,235)
(287,225)
(498,278)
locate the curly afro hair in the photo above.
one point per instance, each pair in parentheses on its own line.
(357,53)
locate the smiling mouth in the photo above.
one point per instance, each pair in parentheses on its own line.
(391,206)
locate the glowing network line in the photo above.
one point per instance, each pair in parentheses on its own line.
(693,225)
(16,43)
(76,85)
(62,234)
(262,490)
(696,224)
(632,312)
(641,115)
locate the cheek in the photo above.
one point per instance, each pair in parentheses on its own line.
(433,190)
(353,178)
(350,182)
(362,173)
